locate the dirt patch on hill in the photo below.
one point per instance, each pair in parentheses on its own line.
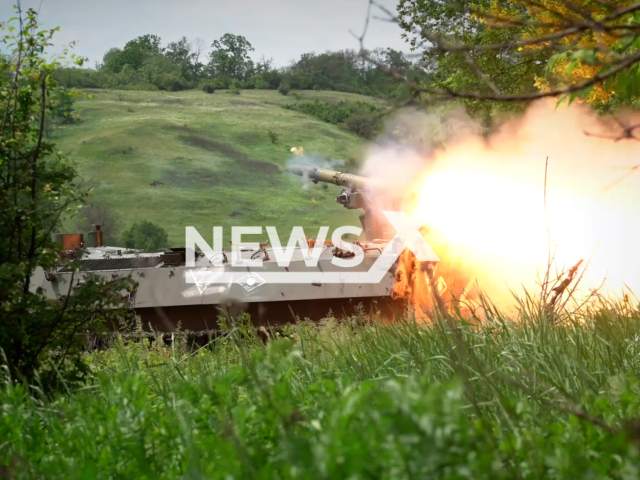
(227,150)
(329,133)
(180,128)
(200,179)
(247,103)
(173,101)
(120,151)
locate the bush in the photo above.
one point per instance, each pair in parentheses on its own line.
(78,78)
(234,88)
(258,82)
(63,110)
(284,88)
(221,83)
(365,126)
(169,82)
(209,88)
(146,236)
(273,136)
(334,113)
(354,117)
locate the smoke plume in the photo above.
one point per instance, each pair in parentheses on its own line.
(484,204)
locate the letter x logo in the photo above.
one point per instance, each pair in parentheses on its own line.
(408,235)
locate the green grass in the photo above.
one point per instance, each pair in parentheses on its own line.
(214,155)
(510,400)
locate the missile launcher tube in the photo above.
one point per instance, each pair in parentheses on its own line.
(348,180)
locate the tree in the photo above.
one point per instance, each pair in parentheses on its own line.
(136,51)
(562,48)
(347,70)
(198,47)
(112,61)
(230,57)
(145,235)
(183,57)
(430,25)
(263,65)
(580,56)
(39,188)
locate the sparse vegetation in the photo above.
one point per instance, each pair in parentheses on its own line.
(356,117)
(274,137)
(334,113)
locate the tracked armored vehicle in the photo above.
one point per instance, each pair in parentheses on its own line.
(172,294)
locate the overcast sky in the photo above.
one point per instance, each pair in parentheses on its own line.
(282,29)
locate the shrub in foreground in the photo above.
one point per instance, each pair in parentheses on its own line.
(40,341)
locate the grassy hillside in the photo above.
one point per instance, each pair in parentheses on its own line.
(212,154)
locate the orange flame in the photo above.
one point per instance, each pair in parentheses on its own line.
(488,216)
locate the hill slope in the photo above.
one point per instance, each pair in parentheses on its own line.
(212,155)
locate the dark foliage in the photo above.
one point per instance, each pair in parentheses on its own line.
(39,337)
(170,83)
(361,118)
(284,88)
(274,137)
(146,235)
(209,88)
(365,126)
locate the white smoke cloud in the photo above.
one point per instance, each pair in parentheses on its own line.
(486,194)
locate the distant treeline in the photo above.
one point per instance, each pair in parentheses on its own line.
(144,64)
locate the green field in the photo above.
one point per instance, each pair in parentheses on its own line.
(526,400)
(214,155)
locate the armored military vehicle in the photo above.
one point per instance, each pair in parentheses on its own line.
(170,293)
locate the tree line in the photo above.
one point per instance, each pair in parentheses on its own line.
(145,64)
